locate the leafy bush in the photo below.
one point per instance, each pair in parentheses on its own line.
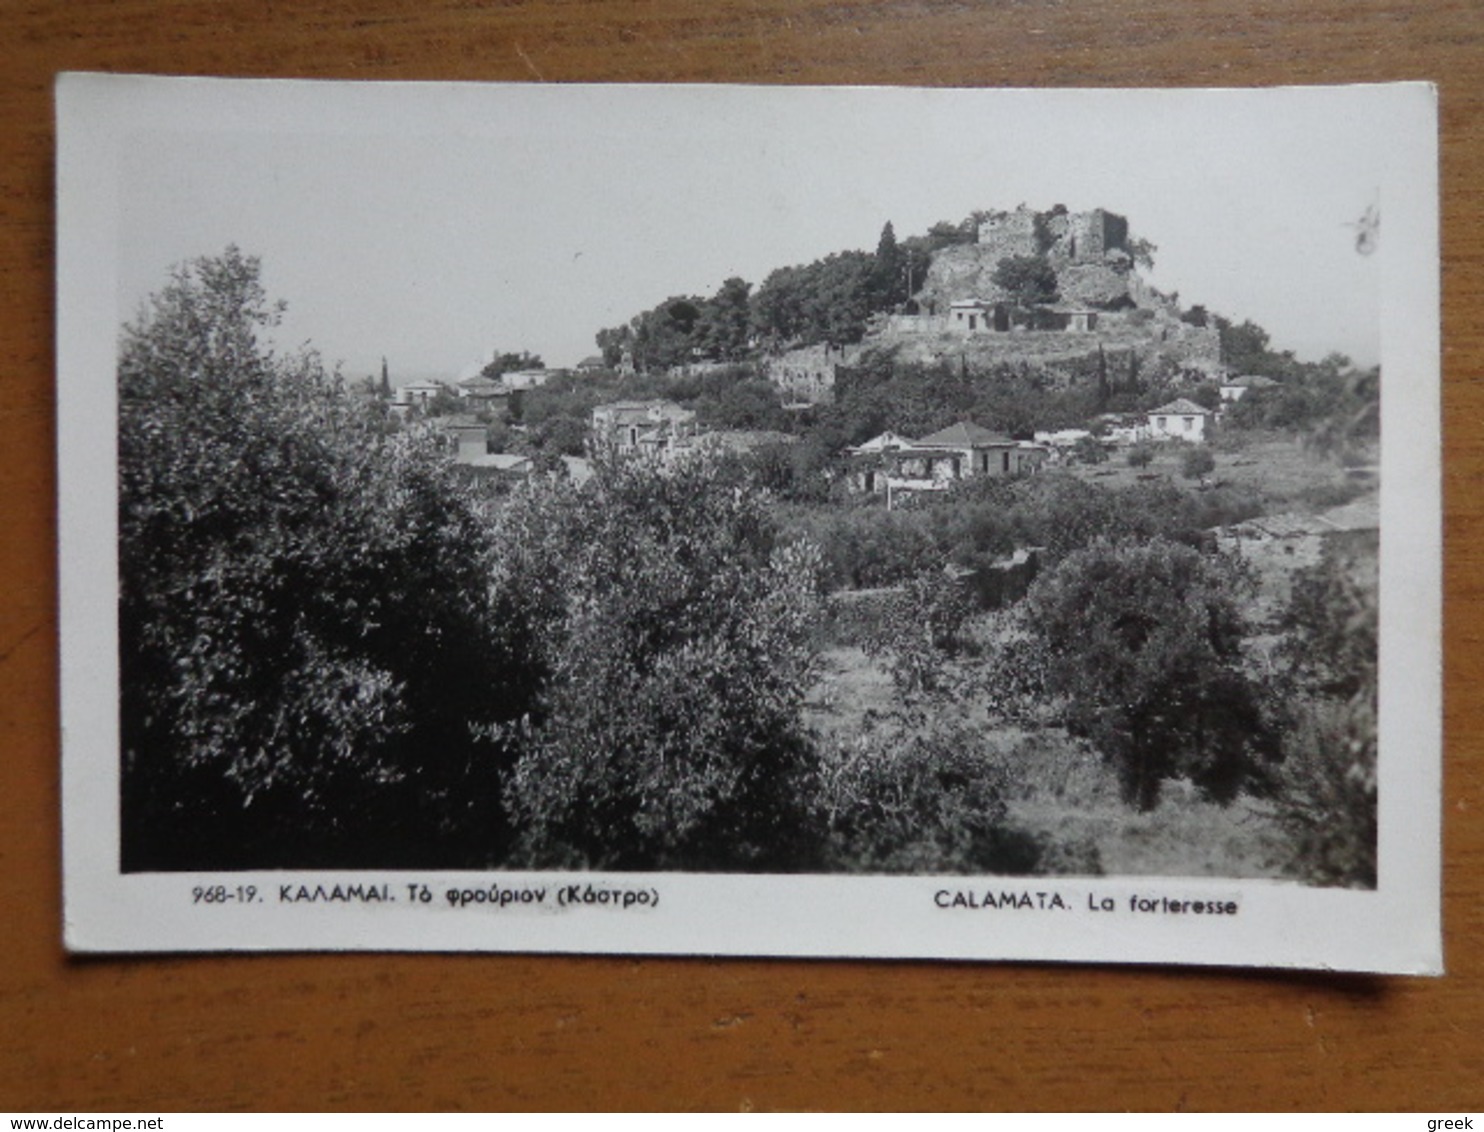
(1143,641)
(1141,455)
(1030,281)
(1197,462)
(1331,624)
(866,547)
(1089,450)
(1335,493)
(921,631)
(1221,506)
(1329,794)
(921,800)
(675,634)
(306,632)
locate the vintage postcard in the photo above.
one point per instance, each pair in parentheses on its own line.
(976,524)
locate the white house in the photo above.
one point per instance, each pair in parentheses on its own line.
(514,379)
(416,395)
(977,316)
(1179,420)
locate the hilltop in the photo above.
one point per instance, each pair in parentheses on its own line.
(1057,291)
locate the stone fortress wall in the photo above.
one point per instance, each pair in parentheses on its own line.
(1095,272)
(807,375)
(1006,234)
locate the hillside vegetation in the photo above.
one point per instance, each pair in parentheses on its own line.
(335,651)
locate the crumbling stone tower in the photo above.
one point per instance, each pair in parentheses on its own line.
(1091,235)
(1070,237)
(1005,234)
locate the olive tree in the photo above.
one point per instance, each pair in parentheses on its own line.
(307,640)
(1143,642)
(674,632)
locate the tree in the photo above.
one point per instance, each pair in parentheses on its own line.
(560,436)
(676,634)
(1245,349)
(743,403)
(1197,462)
(921,631)
(1329,780)
(657,339)
(723,329)
(443,403)
(614,342)
(1141,251)
(307,636)
(1089,450)
(510,362)
(886,272)
(825,301)
(1143,641)
(1029,280)
(1141,455)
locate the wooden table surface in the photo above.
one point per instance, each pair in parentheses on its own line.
(476,1032)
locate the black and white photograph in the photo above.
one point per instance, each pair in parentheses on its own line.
(922,523)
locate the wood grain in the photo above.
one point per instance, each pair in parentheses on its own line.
(414,1032)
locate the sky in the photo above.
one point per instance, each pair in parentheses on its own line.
(434,224)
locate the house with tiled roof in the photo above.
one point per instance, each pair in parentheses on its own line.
(480,392)
(886,442)
(898,466)
(652,427)
(1181,419)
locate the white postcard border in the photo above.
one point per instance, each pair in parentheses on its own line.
(1396,928)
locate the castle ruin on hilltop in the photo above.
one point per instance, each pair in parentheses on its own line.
(961,312)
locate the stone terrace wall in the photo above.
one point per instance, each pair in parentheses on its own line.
(807,375)
(1154,340)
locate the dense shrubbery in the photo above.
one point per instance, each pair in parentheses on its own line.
(676,638)
(1063,514)
(1335,407)
(332,652)
(980,521)
(305,632)
(335,652)
(909,799)
(921,631)
(1329,792)
(868,546)
(879,392)
(683,329)
(1143,641)
(1197,462)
